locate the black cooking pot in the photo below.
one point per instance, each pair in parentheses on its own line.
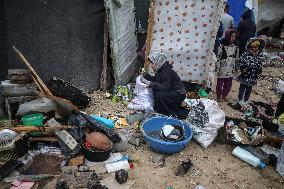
(94,155)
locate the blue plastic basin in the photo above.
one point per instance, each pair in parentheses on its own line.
(154,125)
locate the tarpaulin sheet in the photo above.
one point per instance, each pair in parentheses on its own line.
(185,31)
(236,9)
(59,38)
(123,41)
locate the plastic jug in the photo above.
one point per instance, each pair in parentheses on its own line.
(248,157)
(106,122)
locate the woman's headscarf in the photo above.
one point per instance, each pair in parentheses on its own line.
(228,35)
(158,58)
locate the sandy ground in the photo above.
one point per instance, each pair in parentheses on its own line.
(215,167)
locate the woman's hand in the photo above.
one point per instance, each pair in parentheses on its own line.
(145,81)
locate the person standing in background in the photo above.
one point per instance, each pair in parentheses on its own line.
(250,64)
(227,20)
(246,30)
(226,67)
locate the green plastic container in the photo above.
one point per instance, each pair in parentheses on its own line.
(32,120)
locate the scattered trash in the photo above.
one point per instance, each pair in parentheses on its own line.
(121,176)
(183,168)
(159,160)
(113,167)
(42,105)
(66,90)
(16,184)
(8,167)
(248,157)
(108,123)
(94,182)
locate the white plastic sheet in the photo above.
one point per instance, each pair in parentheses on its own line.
(206,134)
(143,97)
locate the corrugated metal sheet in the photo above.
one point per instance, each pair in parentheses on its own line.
(123,40)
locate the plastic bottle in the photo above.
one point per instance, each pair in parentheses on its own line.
(113,167)
(248,157)
(106,122)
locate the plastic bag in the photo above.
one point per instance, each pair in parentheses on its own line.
(143,97)
(280,161)
(206,133)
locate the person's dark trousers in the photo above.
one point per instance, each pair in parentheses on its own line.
(169,103)
(244,92)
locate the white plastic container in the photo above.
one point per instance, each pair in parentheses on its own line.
(112,167)
(248,157)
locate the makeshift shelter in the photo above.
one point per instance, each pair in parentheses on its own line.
(65,38)
(185,31)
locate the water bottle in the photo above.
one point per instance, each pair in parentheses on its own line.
(248,157)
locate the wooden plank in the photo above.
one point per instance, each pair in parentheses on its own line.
(103,81)
(21,128)
(149,34)
(36,77)
(47,139)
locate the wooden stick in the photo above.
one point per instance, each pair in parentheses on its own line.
(103,81)
(36,77)
(37,84)
(21,128)
(150,35)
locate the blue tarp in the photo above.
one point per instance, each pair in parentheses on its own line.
(236,9)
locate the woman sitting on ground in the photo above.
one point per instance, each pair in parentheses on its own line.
(167,86)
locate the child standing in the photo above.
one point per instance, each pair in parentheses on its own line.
(251,67)
(227,65)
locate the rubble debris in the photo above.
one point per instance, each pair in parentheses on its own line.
(159,160)
(42,105)
(94,182)
(14,90)
(8,167)
(16,184)
(66,90)
(79,160)
(121,176)
(44,164)
(183,168)
(19,76)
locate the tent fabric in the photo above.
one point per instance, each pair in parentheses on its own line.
(59,38)
(185,31)
(123,41)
